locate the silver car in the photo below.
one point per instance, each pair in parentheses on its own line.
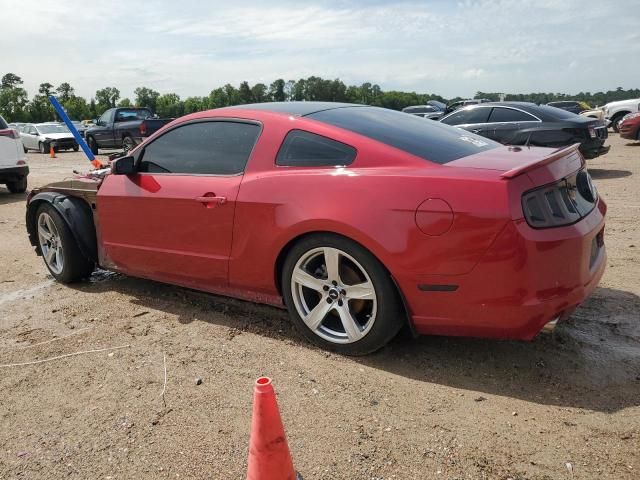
(42,136)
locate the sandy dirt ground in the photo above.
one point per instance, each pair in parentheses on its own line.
(565,406)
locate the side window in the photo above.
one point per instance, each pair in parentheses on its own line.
(467,116)
(205,148)
(305,149)
(509,115)
(105,118)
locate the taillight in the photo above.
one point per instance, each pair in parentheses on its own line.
(143,129)
(9,132)
(561,203)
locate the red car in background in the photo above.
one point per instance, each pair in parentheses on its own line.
(358,219)
(630,126)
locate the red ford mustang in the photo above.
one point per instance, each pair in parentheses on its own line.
(359,219)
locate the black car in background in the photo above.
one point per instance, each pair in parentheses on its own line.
(520,123)
(570,106)
(433,110)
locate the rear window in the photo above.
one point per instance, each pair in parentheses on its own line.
(501,114)
(132,114)
(3,124)
(554,112)
(429,140)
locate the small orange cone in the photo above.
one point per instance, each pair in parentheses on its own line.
(269,457)
(52,152)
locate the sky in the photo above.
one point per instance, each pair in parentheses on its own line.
(452,48)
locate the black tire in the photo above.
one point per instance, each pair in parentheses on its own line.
(42,148)
(25,148)
(93,145)
(389,317)
(128,144)
(76,148)
(19,186)
(615,120)
(75,265)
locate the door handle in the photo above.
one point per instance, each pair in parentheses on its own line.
(476,130)
(211,200)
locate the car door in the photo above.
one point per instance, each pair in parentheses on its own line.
(505,124)
(173,220)
(30,138)
(103,131)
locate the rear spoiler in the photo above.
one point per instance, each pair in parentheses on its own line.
(552,157)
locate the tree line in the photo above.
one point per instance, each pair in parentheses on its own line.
(15,105)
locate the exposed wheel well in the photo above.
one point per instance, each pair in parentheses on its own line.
(78,216)
(287,248)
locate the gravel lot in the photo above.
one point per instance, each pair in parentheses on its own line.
(564,406)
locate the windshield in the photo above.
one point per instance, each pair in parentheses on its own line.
(52,128)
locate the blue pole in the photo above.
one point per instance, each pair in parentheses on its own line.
(72,128)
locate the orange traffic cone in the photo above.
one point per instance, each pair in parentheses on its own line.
(269,457)
(52,152)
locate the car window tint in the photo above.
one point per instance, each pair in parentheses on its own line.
(305,149)
(500,114)
(3,124)
(210,148)
(430,140)
(468,115)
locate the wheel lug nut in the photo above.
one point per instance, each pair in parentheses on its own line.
(339,303)
(334,283)
(325,288)
(329,300)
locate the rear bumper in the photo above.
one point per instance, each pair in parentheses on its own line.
(526,279)
(13,174)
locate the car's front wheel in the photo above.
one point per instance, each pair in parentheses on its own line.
(340,296)
(58,247)
(42,148)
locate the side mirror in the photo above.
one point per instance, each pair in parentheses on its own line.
(124,166)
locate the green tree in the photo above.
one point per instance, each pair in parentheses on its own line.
(13,99)
(65,92)
(244,93)
(77,108)
(106,98)
(259,92)
(195,104)
(125,102)
(146,97)
(276,91)
(169,106)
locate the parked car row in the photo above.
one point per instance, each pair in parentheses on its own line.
(522,123)
(42,136)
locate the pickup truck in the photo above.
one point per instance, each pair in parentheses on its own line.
(123,128)
(615,111)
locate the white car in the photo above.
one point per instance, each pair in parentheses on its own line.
(13,165)
(42,136)
(614,111)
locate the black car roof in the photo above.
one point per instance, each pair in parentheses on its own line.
(299,109)
(545,113)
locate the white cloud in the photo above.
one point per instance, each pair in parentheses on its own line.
(449,48)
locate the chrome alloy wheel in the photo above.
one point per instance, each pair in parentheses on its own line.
(50,243)
(334,295)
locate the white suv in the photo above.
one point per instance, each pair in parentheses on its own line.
(13,165)
(614,111)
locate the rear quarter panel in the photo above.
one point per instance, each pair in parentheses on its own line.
(367,202)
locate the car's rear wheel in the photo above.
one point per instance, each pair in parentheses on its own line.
(340,296)
(18,186)
(58,247)
(76,148)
